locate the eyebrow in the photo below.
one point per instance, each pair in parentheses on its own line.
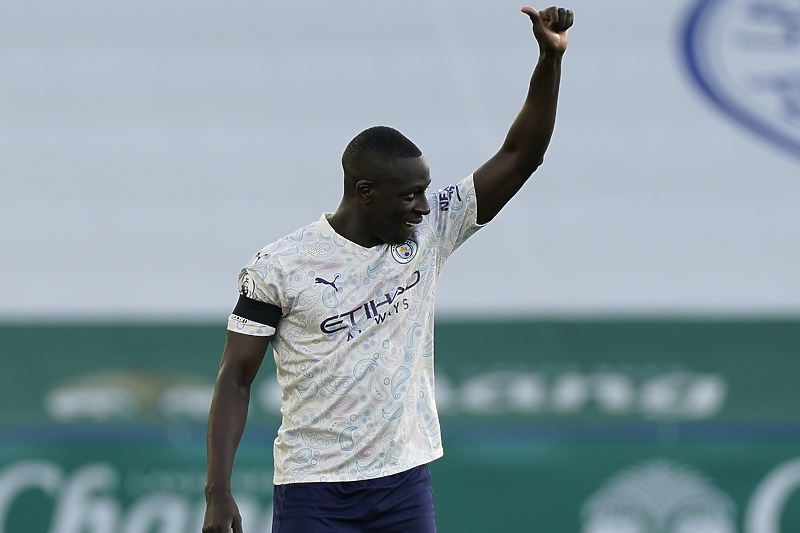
(410,189)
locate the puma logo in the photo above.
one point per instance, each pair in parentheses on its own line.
(326,282)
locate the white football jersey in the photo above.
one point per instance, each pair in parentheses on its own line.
(354,343)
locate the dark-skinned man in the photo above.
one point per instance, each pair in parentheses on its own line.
(347,303)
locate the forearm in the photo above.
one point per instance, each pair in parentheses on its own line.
(226,423)
(499,179)
(530,133)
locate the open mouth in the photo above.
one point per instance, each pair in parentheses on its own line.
(412,224)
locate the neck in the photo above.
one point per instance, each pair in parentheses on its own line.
(346,222)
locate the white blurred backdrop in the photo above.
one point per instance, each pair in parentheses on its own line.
(148,149)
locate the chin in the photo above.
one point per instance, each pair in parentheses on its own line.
(398,238)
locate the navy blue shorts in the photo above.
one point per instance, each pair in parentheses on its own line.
(401,503)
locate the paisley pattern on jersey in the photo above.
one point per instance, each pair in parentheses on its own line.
(354,345)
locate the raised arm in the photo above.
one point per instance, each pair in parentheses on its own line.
(499,179)
(241,360)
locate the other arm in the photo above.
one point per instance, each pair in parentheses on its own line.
(241,360)
(499,179)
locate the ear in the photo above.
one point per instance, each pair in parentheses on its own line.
(365,190)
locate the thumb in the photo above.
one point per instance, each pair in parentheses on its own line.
(532,13)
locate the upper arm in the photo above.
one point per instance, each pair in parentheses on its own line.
(250,329)
(498,180)
(254,319)
(243,356)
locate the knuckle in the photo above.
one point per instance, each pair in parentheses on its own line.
(211,527)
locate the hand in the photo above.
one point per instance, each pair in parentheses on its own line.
(222,515)
(550,27)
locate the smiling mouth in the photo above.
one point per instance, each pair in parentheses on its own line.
(412,224)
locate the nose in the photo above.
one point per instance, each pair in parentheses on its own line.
(422,206)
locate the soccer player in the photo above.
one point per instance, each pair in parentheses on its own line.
(347,302)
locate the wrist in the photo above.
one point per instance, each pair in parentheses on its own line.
(550,55)
(217,488)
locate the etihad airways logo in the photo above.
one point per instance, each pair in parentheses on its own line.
(376,309)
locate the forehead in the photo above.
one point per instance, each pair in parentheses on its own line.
(407,172)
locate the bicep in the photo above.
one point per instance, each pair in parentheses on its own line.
(243,356)
(250,329)
(496,182)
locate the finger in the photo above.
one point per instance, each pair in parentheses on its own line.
(570,19)
(552,16)
(237,525)
(562,19)
(532,13)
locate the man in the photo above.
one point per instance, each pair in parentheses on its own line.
(348,304)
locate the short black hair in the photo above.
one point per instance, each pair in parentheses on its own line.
(378,144)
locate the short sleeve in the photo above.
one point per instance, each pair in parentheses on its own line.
(260,303)
(454,215)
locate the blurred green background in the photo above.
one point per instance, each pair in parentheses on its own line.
(584,426)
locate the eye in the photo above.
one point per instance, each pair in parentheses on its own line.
(409,197)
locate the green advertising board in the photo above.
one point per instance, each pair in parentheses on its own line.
(568,426)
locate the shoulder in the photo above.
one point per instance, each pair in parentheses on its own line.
(456,194)
(288,247)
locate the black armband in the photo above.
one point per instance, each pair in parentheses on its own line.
(260,312)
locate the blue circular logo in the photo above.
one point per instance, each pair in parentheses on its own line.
(404,253)
(743,55)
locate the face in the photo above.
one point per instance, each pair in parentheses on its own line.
(397,200)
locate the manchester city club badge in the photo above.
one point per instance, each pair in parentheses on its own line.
(404,253)
(744,55)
